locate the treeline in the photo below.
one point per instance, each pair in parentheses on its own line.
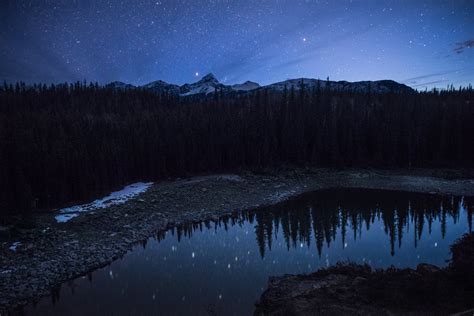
(66,143)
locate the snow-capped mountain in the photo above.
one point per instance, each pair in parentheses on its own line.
(161,86)
(209,84)
(380,86)
(246,86)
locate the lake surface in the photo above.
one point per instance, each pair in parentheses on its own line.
(222,268)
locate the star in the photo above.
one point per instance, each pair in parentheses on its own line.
(147,42)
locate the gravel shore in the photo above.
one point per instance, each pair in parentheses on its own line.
(48,253)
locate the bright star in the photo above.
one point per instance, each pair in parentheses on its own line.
(304,39)
(196,74)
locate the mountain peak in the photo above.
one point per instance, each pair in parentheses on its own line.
(209,78)
(246,86)
(160,86)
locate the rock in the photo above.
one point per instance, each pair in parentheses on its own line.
(358,280)
(425,268)
(351,289)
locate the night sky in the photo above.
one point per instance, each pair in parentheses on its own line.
(420,43)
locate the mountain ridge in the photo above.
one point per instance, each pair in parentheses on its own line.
(209,84)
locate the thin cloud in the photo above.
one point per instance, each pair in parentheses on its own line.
(249,64)
(414,81)
(460,47)
(428,83)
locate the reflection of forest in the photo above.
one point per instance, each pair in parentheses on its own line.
(327,212)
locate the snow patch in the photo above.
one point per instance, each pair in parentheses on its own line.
(281,196)
(206,85)
(14,246)
(205,88)
(62,218)
(114,198)
(246,86)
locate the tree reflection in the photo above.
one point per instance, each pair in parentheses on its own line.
(333,212)
(326,214)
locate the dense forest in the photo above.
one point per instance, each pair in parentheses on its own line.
(69,142)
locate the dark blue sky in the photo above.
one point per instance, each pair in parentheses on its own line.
(420,43)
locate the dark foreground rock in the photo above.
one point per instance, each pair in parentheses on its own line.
(37,254)
(350,289)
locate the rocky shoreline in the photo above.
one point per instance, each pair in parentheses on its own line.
(351,289)
(49,253)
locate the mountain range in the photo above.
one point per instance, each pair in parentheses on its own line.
(209,84)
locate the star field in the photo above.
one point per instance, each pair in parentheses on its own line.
(420,43)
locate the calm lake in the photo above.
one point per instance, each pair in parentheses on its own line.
(222,268)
